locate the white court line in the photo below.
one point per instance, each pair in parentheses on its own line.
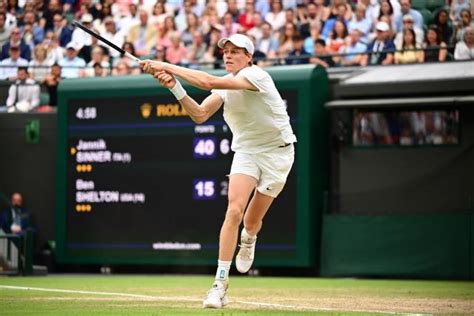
(187,299)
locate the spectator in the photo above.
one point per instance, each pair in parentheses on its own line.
(246,19)
(10,19)
(410,51)
(62,32)
(407,9)
(233,9)
(380,51)
(315,13)
(31,26)
(229,26)
(408,24)
(54,7)
(315,33)
(386,8)
(130,19)
(256,30)
(329,24)
(465,22)
(158,14)
(122,69)
(71,64)
(4,30)
(98,57)
(456,8)
(262,6)
(39,66)
(160,53)
(441,20)
(17,41)
(16,219)
(435,49)
(82,40)
(23,95)
(337,37)
(214,53)
(465,49)
(322,57)
(372,10)
(110,33)
(51,83)
(286,40)
(360,22)
(143,36)
(290,18)
(54,51)
(176,53)
(267,43)
(8,66)
(335,10)
(192,22)
(353,50)
(196,51)
(99,71)
(181,18)
(132,64)
(298,55)
(276,17)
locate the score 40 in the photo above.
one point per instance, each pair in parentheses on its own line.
(206,147)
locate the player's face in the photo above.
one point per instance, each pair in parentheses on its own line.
(235,58)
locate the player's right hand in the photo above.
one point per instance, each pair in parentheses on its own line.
(166,79)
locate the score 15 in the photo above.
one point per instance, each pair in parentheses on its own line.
(206,147)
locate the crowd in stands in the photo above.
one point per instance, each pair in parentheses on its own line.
(39,35)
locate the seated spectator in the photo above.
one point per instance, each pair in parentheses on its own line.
(276,17)
(195,52)
(4,30)
(322,58)
(353,50)
(16,40)
(98,57)
(132,64)
(82,40)
(181,17)
(176,53)
(110,33)
(435,49)
(16,219)
(407,9)
(8,69)
(465,22)
(122,69)
(229,26)
(246,19)
(62,32)
(445,27)
(51,83)
(143,35)
(380,51)
(315,33)
(159,53)
(337,38)
(386,8)
(408,24)
(360,22)
(313,15)
(214,53)
(298,55)
(192,26)
(23,95)
(410,51)
(33,28)
(340,16)
(465,49)
(99,71)
(256,30)
(10,21)
(54,51)
(39,66)
(286,40)
(390,33)
(267,43)
(456,7)
(336,7)
(71,64)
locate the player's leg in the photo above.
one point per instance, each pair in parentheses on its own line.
(240,189)
(253,218)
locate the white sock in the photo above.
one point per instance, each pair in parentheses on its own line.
(223,268)
(246,237)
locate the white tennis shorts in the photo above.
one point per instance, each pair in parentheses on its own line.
(269,168)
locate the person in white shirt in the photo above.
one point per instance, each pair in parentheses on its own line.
(262,141)
(24,94)
(71,64)
(465,49)
(8,69)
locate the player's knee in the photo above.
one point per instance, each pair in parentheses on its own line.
(234,214)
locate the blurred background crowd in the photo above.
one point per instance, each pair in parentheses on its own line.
(37,36)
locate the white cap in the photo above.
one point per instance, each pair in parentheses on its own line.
(87,18)
(238,40)
(382,26)
(71,45)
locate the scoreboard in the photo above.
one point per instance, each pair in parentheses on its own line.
(141,183)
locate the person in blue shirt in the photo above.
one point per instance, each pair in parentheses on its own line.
(381,50)
(353,51)
(298,55)
(407,9)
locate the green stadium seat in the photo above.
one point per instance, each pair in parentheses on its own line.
(428,17)
(432,5)
(419,4)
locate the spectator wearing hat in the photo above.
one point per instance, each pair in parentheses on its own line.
(407,9)
(16,40)
(24,94)
(408,23)
(71,64)
(380,51)
(80,38)
(109,32)
(8,69)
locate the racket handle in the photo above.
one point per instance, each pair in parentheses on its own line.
(132,57)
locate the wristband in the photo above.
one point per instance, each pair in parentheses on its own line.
(178,91)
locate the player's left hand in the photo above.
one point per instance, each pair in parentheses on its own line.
(152,66)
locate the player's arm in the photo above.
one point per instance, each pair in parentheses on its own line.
(199,113)
(197,78)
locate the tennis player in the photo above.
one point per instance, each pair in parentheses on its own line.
(262,144)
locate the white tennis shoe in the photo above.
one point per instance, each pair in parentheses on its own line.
(216,296)
(245,256)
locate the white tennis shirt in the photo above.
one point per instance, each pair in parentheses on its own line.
(258,119)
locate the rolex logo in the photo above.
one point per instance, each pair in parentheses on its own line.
(146,110)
